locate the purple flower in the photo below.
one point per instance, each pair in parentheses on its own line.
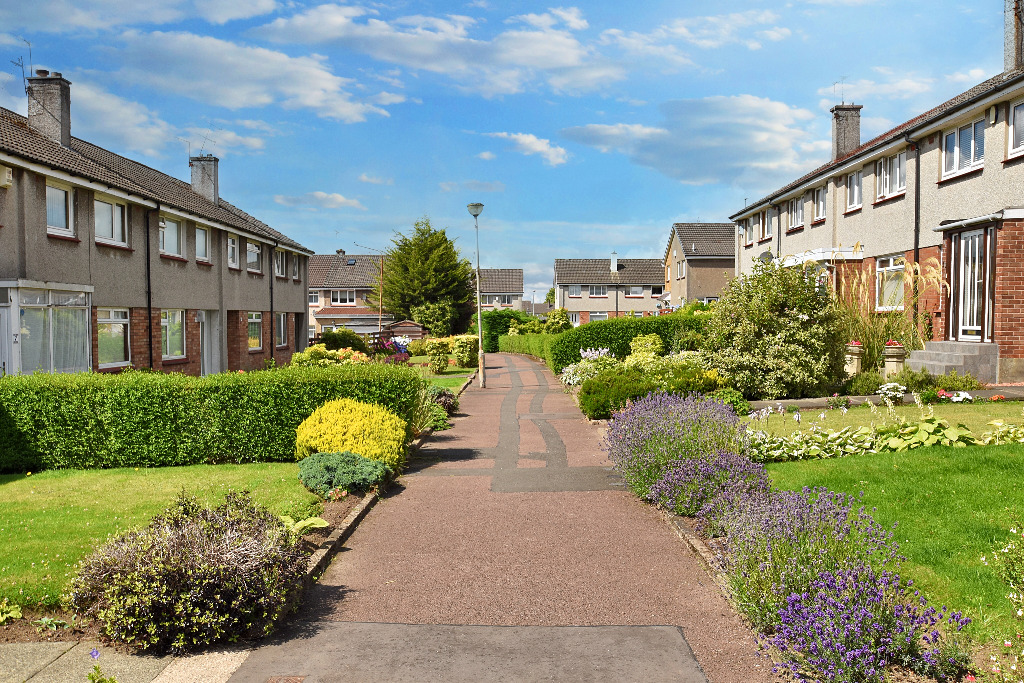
(94,653)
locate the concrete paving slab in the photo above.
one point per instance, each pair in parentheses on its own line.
(21,661)
(209,667)
(333,651)
(75,665)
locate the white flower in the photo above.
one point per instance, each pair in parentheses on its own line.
(821,416)
(796,416)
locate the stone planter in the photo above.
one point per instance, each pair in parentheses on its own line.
(854,357)
(894,358)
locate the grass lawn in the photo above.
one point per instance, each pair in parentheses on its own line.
(974,415)
(952,505)
(50,520)
(453,377)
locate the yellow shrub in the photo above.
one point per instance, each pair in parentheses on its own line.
(347,425)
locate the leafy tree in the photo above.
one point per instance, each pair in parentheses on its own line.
(425,269)
(436,316)
(550,298)
(558,321)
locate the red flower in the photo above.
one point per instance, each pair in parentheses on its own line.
(893,342)
(854,343)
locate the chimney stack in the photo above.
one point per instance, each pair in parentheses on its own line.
(339,252)
(1013,35)
(615,262)
(49,106)
(845,129)
(204,176)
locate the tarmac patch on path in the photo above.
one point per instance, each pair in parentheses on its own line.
(334,651)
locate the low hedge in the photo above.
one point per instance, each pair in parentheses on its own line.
(614,334)
(496,323)
(145,419)
(538,345)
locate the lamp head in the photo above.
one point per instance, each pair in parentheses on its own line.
(475,209)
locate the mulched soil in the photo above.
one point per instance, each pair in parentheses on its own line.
(24,631)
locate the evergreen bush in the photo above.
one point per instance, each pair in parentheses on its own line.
(346,425)
(325,472)
(343,338)
(614,334)
(497,323)
(437,354)
(609,391)
(466,348)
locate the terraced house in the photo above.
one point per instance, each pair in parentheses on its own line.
(699,262)
(945,188)
(598,289)
(501,288)
(108,264)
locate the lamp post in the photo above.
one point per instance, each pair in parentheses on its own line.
(474,211)
(533,302)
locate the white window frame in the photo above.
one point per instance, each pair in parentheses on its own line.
(503,299)
(116,209)
(311,330)
(891,176)
(69,209)
(232,247)
(204,256)
(165,330)
(820,202)
(313,299)
(591,289)
(854,190)
(1016,131)
(254,317)
(281,329)
(574,318)
(748,233)
(575,291)
(598,315)
(886,266)
(280,264)
(660,292)
(796,212)
(953,162)
(295,266)
(114,316)
(51,302)
(254,248)
(164,247)
(343,297)
(634,291)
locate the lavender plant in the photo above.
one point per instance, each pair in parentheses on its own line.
(687,486)
(646,437)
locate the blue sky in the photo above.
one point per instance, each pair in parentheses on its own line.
(582,128)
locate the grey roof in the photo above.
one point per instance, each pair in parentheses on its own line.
(597,271)
(705,239)
(349,271)
(961,101)
(90,162)
(501,280)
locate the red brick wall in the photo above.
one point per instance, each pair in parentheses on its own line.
(240,357)
(1009,296)
(584,317)
(932,296)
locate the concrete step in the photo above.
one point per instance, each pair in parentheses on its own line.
(940,358)
(966,348)
(933,367)
(937,357)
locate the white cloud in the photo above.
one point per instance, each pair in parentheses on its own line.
(59,16)
(472,186)
(528,144)
(897,86)
(108,120)
(970,76)
(319,200)
(545,51)
(486,156)
(703,32)
(374,180)
(224,141)
(235,76)
(742,140)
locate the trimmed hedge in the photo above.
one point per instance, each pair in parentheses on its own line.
(538,345)
(145,419)
(614,334)
(496,323)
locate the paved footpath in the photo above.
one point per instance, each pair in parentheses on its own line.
(510,551)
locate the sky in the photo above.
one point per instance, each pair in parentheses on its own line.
(582,128)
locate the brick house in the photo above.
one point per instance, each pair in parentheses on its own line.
(339,285)
(942,190)
(501,288)
(598,289)
(107,264)
(699,262)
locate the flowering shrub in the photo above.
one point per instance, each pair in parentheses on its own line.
(893,392)
(854,622)
(576,374)
(647,344)
(437,354)
(835,402)
(319,354)
(594,354)
(346,425)
(401,343)
(660,429)
(689,484)
(893,342)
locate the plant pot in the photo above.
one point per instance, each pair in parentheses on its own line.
(854,358)
(894,359)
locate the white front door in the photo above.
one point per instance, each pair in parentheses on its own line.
(972,296)
(6,341)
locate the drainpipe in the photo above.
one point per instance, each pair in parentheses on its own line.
(273,276)
(149,282)
(917,213)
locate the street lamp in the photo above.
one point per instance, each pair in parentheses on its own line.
(474,211)
(533,301)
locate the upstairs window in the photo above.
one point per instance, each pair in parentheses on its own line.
(343,297)
(109,221)
(748,233)
(295,266)
(963,149)
(891,176)
(854,190)
(796,213)
(233,251)
(170,237)
(279,263)
(314,298)
(635,290)
(575,290)
(820,193)
(1017,129)
(598,290)
(253,257)
(58,209)
(202,244)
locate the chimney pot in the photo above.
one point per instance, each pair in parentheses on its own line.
(340,252)
(57,74)
(845,129)
(1013,35)
(42,73)
(204,176)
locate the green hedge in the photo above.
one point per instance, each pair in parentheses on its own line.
(614,334)
(144,419)
(496,323)
(538,345)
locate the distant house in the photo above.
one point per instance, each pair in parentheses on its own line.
(501,288)
(699,262)
(942,189)
(339,285)
(598,289)
(107,264)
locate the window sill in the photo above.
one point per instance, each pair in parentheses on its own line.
(67,237)
(297,279)
(174,257)
(852,210)
(113,245)
(633,296)
(280,277)
(114,367)
(889,198)
(598,296)
(888,309)
(575,296)
(282,347)
(208,264)
(234,268)
(764,239)
(254,272)
(1014,157)
(177,360)
(796,229)
(818,221)
(960,174)
(259,350)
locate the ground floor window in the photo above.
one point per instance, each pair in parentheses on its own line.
(889,283)
(598,315)
(54,331)
(281,330)
(255,330)
(112,336)
(172,334)
(312,331)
